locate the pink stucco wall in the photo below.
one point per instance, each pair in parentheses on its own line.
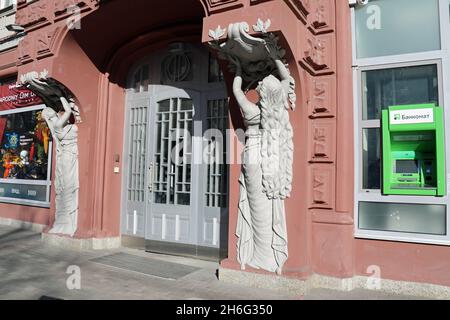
(94,61)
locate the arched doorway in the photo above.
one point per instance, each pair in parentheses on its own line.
(175,187)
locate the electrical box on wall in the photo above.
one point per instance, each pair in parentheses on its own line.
(413,150)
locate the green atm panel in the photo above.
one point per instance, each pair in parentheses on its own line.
(413,150)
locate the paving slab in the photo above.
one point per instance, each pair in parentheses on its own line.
(32,270)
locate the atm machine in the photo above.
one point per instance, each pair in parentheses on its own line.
(413,150)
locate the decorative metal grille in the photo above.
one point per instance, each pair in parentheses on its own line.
(172,163)
(137,151)
(177,68)
(217,169)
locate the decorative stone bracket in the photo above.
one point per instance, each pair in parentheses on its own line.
(253,53)
(50,91)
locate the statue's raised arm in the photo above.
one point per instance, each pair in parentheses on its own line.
(246,106)
(65,117)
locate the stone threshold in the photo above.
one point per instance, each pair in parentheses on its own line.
(296,287)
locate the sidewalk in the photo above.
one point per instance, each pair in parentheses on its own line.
(31,270)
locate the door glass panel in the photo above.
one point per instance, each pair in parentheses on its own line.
(215,73)
(172,177)
(141,79)
(136,155)
(216,167)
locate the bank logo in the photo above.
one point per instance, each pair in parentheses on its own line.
(412,116)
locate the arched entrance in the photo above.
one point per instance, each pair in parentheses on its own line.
(176,111)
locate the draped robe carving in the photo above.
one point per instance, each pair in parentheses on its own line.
(59,115)
(266,177)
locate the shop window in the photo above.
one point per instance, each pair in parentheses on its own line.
(388,87)
(398,59)
(392,27)
(26,148)
(410,218)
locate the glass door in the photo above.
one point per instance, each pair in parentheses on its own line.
(173,177)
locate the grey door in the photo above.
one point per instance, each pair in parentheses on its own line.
(135,175)
(176,176)
(172,211)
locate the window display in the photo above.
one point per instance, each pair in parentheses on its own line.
(25,148)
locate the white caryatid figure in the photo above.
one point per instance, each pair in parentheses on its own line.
(266,178)
(65,136)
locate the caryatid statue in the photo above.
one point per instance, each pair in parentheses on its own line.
(266,177)
(61,115)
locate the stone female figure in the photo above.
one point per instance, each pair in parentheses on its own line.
(266,177)
(65,136)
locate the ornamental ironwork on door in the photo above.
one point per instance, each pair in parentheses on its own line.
(176,187)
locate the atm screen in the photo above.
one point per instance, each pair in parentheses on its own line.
(407,166)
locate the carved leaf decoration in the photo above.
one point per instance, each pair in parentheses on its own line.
(262,26)
(28,77)
(217,34)
(44,74)
(267,25)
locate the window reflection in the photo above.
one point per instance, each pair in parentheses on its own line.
(398,86)
(371,159)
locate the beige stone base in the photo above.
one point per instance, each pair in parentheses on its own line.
(38,228)
(425,290)
(285,285)
(299,287)
(81,244)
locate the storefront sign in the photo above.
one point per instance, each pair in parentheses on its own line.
(412,116)
(13,97)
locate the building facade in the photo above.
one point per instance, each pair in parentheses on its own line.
(139,71)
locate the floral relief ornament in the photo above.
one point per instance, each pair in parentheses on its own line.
(262,26)
(217,34)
